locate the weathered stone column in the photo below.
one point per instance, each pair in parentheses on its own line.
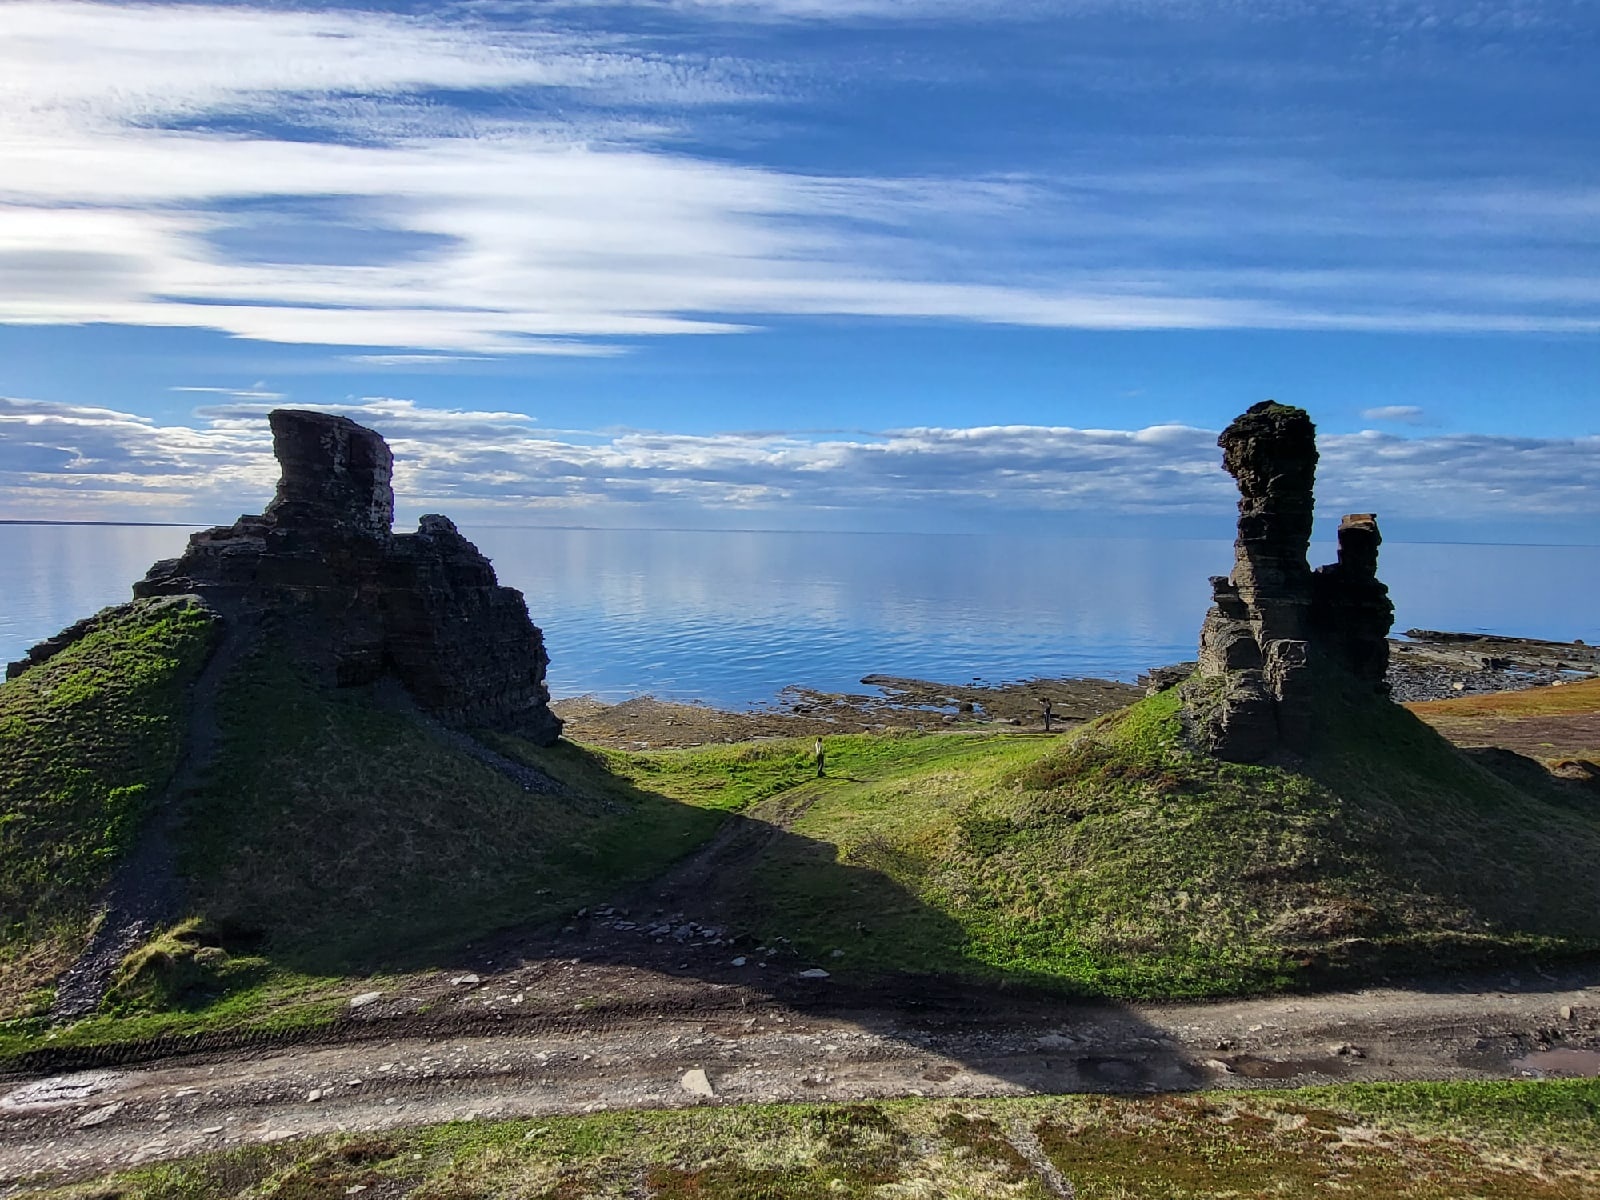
(1274,624)
(1254,637)
(358,602)
(1351,609)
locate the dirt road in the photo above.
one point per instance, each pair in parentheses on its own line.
(754,1047)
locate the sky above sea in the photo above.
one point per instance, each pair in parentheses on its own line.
(806,264)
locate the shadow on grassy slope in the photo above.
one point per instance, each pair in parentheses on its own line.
(335,837)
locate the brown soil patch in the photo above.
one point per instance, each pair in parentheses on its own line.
(1552,724)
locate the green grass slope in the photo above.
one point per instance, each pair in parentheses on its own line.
(336,835)
(1118,862)
(88,740)
(349,837)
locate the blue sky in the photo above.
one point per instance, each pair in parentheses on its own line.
(806,263)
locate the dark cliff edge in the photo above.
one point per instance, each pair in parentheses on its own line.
(355,603)
(135,738)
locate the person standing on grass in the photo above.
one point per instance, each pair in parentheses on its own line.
(821,759)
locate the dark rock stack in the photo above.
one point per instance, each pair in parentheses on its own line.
(1350,607)
(359,602)
(1274,623)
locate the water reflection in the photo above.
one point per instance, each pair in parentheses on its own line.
(732,617)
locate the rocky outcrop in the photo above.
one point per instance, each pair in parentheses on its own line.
(357,603)
(1274,624)
(1350,607)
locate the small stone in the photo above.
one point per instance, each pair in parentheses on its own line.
(740,961)
(211,1129)
(365,999)
(814,973)
(314,1095)
(1216,1064)
(696,1083)
(1566,1012)
(1347,1050)
(98,1116)
(466,981)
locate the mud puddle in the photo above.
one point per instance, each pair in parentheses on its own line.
(1563,1061)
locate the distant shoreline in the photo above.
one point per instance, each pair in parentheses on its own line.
(133,524)
(1074,537)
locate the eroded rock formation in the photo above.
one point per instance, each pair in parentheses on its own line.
(1274,623)
(356,602)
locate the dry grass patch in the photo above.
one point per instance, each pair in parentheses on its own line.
(1407,1141)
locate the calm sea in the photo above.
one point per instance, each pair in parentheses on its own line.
(730,618)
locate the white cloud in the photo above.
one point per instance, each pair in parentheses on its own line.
(1404,414)
(136,138)
(60,460)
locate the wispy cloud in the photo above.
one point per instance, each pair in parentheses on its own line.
(257,393)
(63,460)
(1403,414)
(524,187)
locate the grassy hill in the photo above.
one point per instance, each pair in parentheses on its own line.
(336,834)
(1117,862)
(88,741)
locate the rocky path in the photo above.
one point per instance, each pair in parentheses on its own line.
(738,1046)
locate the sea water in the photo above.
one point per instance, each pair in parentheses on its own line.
(731,618)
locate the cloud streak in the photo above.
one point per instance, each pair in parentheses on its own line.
(65,461)
(527,190)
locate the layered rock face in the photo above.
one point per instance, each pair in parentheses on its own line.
(1350,607)
(1275,623)
(358,602)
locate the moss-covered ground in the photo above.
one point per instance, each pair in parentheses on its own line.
(1491,1141)
(88,741)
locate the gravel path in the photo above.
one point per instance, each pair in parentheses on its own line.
(756,1049)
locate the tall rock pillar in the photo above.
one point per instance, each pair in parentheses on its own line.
(1274,622)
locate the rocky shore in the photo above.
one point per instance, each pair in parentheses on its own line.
(1423,665)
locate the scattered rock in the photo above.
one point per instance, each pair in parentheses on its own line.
(814,973)
(466,981)
(696,1083)
(365,999)
(98,1116)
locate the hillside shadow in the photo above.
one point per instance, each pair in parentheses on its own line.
(744,923)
